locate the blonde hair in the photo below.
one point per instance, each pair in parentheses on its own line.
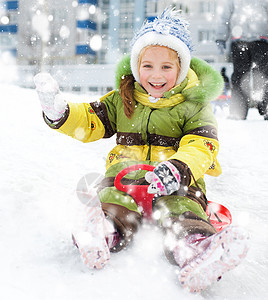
(126,88)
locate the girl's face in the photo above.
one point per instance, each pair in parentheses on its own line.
(158,70)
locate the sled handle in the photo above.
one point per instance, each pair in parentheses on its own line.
(220,216)
(138,192)
(125,171)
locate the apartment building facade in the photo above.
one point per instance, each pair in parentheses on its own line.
(92,31)
(8,27)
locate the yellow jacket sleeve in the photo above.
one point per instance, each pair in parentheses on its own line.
(200,154)
(82,123)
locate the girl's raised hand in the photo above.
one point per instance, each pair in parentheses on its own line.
(52,102)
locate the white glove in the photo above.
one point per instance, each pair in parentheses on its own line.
(164,180)
(52,102)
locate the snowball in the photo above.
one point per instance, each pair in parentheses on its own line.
(92,9)
(237,31)
(74,4)
(198,193)
(80,133)
(95,42)
(64,32)
(116,12)
(40,24)
(5,20)
(45,82)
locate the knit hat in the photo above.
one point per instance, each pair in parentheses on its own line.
(169,30)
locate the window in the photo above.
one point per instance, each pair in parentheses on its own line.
(207,7)
(126,20)
(81,36)
(151,8)
(206,35)
(7,40)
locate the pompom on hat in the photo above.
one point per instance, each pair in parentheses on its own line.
(169,30)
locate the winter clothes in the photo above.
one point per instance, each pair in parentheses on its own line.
(49,95)
(245,20)
(250,65)
(180,128)
(185,122)
(203,260)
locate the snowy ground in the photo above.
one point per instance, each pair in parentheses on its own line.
(38,176)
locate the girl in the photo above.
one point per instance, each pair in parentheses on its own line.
(161,115)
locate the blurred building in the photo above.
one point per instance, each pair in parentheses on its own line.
(122,17)
(8,27)
(92,31)
(202,15)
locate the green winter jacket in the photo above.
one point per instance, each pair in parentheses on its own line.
(181,126)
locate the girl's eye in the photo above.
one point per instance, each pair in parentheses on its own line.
(166,67)
(147,66)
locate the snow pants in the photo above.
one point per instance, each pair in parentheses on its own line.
(250,60)
(183,208)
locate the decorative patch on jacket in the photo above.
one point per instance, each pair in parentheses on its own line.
(93,125)
(213,166)
(129,140)
(113,156)
(91,111)
(210,145)
(207,131)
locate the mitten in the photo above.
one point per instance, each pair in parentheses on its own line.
(164,180)
(221,44)
(52,102)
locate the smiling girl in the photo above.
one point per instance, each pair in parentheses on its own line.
(161,115)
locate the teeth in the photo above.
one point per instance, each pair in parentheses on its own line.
(157,84)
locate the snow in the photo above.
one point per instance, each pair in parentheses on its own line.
(39,172)
(40,24)
(96,42)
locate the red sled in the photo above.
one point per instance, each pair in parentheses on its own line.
(220,216)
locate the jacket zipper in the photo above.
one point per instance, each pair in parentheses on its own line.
(148,136)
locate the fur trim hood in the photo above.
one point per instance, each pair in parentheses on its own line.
(210,87)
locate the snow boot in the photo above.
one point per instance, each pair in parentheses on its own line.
(203,260)
(96,238)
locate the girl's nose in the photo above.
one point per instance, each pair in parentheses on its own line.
(157,74)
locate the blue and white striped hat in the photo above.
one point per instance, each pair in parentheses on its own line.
(169,30)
